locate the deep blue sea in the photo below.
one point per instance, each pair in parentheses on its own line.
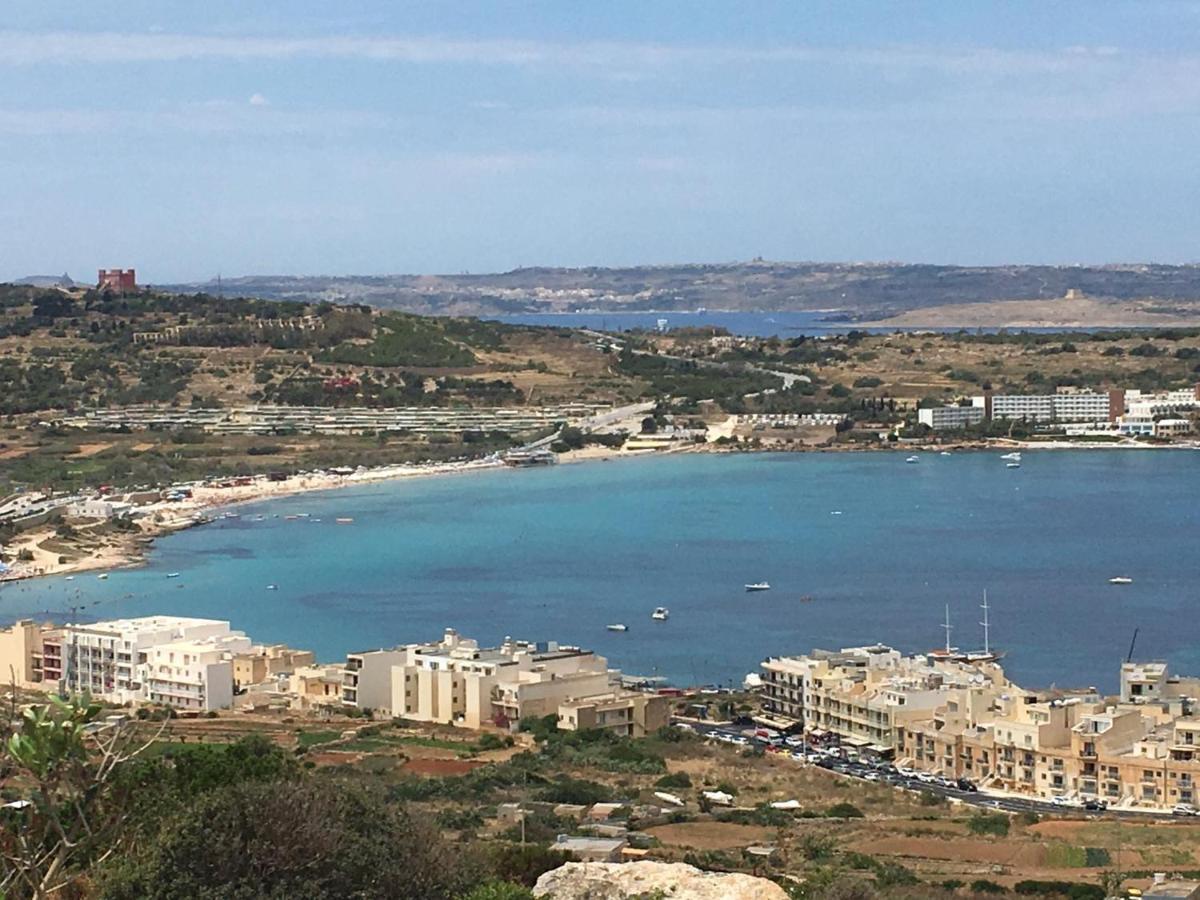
(558,553)
(785,324)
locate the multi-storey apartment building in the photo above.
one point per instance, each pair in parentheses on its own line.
(256,665)
(454,681)
(961,720)
(869,696)
(108,659)
(1062,406)
(193,674)
(951,418)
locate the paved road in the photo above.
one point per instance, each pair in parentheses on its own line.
(600,420)
(887,774)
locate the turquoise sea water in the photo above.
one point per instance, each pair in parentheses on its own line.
(558,553)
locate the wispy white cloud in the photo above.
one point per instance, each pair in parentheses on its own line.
(623,60)
(257,99)
(210,117)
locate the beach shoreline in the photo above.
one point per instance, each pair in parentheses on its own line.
(129,549)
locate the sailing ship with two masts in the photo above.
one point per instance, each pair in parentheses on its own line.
(953,654)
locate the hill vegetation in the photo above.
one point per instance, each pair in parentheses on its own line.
(858,291)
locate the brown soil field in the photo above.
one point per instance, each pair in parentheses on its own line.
(1006,853)
(441,767)
(710,835)
(92,449)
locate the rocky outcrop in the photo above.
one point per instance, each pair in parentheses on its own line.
(676,881)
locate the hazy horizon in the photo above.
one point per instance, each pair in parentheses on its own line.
(303,138)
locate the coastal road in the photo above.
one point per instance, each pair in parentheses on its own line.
(887,774)
(600,420)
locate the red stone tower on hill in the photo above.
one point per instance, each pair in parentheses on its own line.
(119,280)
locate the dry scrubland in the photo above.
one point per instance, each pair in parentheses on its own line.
(900,845)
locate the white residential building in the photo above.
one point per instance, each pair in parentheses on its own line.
(367,678)
(194,674)
(1063,406)
(109,659)
(951,418)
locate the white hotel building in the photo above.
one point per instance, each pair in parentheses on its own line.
(173,658)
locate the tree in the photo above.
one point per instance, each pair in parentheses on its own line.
(69,815)
(300,840)
(649,425)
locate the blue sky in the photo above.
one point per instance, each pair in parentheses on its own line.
(329,138)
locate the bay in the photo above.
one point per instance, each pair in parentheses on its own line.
(749,323)
(557,553)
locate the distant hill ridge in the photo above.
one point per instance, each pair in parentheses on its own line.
(855,290)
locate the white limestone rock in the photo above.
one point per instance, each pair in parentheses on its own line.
(675,881)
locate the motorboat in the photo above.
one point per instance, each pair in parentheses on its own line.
(758,586)
(617,627)
(344,520)
(1120,579)
(661,613)
(102,576)
(913,459)
(945,453)
(272,587)
(172,574)
(1012,465)
(1015,456)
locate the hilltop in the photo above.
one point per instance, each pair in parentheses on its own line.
(851,291)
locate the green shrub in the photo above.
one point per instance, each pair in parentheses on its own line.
(674,780)
(983,886)
(989,823)
(844,811)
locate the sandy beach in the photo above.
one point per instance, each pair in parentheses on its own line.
(50,554)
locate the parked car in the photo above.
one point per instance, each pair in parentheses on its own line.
(1185,809)
(1060,800)
(1092,804)
(965,784)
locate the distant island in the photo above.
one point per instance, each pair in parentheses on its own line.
(909,294)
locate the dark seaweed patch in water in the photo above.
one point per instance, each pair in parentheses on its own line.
(226,552)
(461,573)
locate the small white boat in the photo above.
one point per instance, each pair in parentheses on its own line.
(758,586)
(1015,455)
(913,459)
(1012,465)
(661,613)
(344,520)
(1120,579)
(944,453)
(102,576)
(617,627)
(172,574)
(272,587)
(70,578)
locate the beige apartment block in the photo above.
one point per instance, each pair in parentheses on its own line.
(261,662)
(315,686)
(625,713)
(21,653)
(868,696)
(455,681)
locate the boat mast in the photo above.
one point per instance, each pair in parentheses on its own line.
(947,627)
(984,606)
